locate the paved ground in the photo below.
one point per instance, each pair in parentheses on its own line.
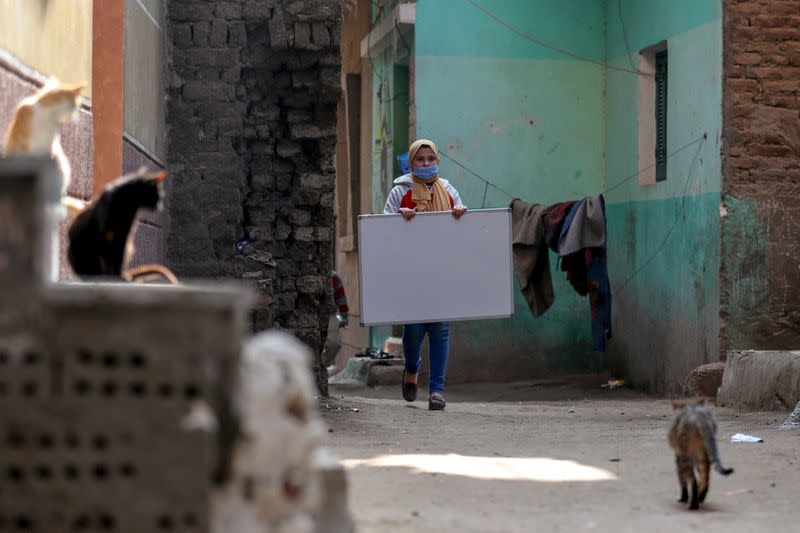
(549,457)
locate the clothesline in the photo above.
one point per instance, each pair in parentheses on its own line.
(674,223)
(511,196)
(699,141)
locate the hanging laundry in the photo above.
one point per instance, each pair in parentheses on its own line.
(599,298)
(577,232)
(576,265)
(582,247)
(531,261)
(554,221)
(584,227)
(340,300)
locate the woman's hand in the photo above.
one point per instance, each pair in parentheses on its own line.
(407,213)
(458,211)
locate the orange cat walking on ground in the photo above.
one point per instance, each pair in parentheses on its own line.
(693,437)
(35,127)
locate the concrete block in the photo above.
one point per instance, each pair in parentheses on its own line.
(320,35)
(229,10)
(704,380)
(304,78)
(298,115)
(761,381)
(208,91)
(123,380)
(304,234)
(332,515)
(371,372)
(315,10)
(218,37)
(310,285)
(28,239)
(237,34)
(318,181)
(389,374)
(182,35)
(188,11)
(279,37)
(307,197)
(302,35)
(211,57)
(288,149)
(311,131)
(200,32)
(257,10)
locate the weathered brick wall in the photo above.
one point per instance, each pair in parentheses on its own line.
(251,118)
(760,297)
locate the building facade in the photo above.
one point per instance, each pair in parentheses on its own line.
(117,49)
(671,109)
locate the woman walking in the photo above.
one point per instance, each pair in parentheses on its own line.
(422,190)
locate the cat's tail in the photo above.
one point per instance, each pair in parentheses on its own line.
(711,445)
(147,273)
(73,205)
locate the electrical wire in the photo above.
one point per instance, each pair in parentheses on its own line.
(543,44)
(671,229)
(624,33)
(701,139)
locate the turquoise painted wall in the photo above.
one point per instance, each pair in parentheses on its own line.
(385,97)
(546,128)
(390,119)
(666,318)
(530,121)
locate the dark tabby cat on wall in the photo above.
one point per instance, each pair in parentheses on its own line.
(101,236)
(693,436)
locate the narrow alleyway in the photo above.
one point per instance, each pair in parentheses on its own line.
(549,456)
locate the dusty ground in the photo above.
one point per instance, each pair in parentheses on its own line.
(549,457)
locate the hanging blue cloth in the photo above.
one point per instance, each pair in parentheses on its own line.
(402,161)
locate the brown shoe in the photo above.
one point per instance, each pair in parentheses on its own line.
(436,401)
(409,389)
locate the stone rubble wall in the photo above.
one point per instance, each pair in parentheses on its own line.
(253,87)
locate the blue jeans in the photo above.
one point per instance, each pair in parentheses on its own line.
(439,344)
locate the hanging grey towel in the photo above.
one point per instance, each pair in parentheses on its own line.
(586,229)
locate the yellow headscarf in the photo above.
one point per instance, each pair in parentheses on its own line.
(435,199)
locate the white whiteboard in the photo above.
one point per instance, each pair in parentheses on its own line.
(435,268)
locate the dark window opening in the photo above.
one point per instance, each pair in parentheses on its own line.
(661,116)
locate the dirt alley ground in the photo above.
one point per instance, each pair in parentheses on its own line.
(549,456)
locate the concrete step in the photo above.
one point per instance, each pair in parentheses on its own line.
(370,372)
(704,380)
(761,380)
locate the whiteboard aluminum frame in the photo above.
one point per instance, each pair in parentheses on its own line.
(430,214)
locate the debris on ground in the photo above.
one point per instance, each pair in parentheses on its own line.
(793,422)
(613,384)
(741,437)
(738,492)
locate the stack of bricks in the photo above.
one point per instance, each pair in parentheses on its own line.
(253,87)
(760,303)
